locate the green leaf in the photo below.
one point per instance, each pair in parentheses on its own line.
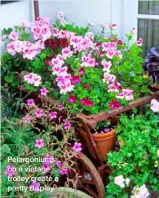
(9,79)
(7,31)
(24,36)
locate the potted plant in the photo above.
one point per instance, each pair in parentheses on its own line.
(135,165)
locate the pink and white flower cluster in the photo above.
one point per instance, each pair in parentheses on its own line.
(33,79)
(113,85)
(27,49)
(110,49)
(41,28)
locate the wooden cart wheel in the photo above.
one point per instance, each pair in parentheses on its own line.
(90,181)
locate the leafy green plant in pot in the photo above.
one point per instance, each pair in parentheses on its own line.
(135,166)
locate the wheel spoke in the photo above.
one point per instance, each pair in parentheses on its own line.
(90,191)
(86,181)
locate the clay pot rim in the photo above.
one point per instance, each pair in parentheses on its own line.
(104,134)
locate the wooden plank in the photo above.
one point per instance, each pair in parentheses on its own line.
(94,119)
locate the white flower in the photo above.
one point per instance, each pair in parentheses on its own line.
(60,15)
(119,180)
(154,105)
(127,181)
(140,192)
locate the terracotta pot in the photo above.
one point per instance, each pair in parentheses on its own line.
(105,142)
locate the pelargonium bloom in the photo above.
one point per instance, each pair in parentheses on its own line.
(115,104)
(86,86)
(67,124)
(27,119)
(82,71)
(64,171)
(107,65)
(13,36)
(61,107)
(72,99)
(30,102)
(35,186)
(39,143)
(32,78)
(39,113)
(109,78)
(46,167)
(43,91)
(120,42)
(53,114)
(155,105)
(77,147)
(75,79)
(59,164)
(10,171)
(114,87)
(139,42)
(87,102)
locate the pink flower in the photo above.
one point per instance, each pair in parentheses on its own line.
(60,107)
(13,36)
(32,78)
(109,78)
(43,91)
(120,42)
(53,114)
(87,102)
(107,65)
(64,171)
(128,94)
(86,86)
(30,102)
(115,104)
(155,105)
(67,124)
(39,113)
(46,167)
(27,119)
(77,147)
(35,186)
(66,52)
(11,48)
(114,87)
(75,79)
(82,71)
(89,35)
(39,143)
(139,42)
(88,61)
(10,171)
(110,54)
(72,99)
(59,164)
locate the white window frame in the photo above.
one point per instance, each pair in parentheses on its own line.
(131,16)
